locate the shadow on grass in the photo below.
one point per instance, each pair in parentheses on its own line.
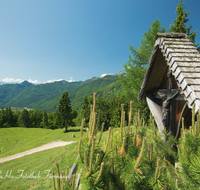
(74,130)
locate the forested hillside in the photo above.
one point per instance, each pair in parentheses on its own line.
(8,91)
(108,85)
(42,96)
(46,96)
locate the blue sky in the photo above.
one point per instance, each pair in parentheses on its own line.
(74,40)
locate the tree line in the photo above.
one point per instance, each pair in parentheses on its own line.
(109,110)
(29,119)
(61,118)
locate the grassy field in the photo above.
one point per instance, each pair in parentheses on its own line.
(35,171)
(15,140)
(36,165)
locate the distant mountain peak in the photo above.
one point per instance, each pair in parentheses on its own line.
(106,75)
(26,83)
(90,80)
(119,73)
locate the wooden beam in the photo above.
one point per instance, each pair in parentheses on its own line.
(158,93)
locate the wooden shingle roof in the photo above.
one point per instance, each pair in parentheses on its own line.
(183,59)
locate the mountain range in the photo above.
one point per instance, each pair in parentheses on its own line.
(46,96)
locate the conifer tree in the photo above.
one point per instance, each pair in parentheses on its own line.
(138,61)
(65,111)
(9,117)
(179,24)
(2,117)
(136,66)
(24,118)
(86,109)
(35,118)
(45,120)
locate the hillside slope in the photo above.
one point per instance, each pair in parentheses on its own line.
(109,85)
(9,91)
(46,96)
(35,96)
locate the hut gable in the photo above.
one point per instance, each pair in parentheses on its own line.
(174,52)
(183,60)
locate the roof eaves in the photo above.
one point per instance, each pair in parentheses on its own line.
(148,71)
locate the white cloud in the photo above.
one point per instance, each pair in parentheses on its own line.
(55,80)
(103,75)
(33,81)
(71,80)
(12,80)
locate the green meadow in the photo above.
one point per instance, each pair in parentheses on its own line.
(15,140)
(20,173)
(35,171)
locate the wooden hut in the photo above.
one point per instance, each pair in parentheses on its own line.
(171,83)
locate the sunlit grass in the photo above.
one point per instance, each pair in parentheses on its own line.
(37,163)
(15,140)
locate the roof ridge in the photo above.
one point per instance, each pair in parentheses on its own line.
(172,35)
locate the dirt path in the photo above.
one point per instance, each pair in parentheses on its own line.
(34,150)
